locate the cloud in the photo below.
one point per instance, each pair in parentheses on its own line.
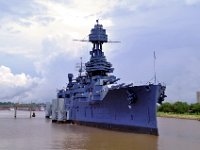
(192,2)
(28,25)
(15,85)
(18,63)
(19,12)
(38,35)
(170,30)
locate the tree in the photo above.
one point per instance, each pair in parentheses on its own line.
(166,107)
(180,107)
(195,108)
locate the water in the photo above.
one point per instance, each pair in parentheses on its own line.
(38,133)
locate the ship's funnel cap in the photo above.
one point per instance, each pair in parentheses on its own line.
(70,77)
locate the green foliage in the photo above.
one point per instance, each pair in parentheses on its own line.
(5,103)
(165,107)
(180,108)
(195,108)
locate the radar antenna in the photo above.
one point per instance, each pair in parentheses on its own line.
(109,41)
(154,65)
(80,67)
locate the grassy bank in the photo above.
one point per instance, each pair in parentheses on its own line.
(179,116)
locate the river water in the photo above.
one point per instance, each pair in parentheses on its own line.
(39,133)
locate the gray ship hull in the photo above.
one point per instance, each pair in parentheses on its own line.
(89,100)
(116,112)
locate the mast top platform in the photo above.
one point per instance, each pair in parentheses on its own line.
(98,34)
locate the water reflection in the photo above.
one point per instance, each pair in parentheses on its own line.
(81,137)
(68,137)
(178,134)
(40,134)
(101,139)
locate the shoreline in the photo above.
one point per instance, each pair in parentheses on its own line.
(179,116)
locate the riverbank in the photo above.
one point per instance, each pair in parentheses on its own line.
(179,116)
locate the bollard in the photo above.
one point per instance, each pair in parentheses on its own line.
(15,112)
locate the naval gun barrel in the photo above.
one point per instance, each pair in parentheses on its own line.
(128,85)
(110,81)
(121,85)
(118,86)
(113,81)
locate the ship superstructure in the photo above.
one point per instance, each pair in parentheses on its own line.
(95,99)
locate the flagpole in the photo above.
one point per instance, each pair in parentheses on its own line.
(154,56)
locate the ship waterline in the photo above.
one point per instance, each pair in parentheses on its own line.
(138,117)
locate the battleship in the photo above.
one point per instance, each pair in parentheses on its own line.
(95,99)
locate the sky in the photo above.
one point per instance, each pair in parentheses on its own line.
(37,50)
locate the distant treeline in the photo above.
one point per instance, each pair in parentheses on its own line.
(24,104)
(6,103)
(180,108)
